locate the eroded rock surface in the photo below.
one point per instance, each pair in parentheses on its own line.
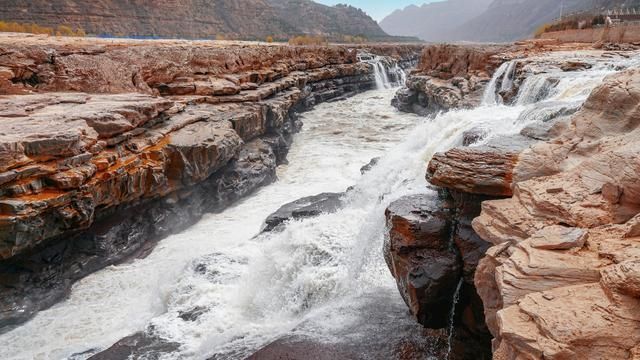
(108,146)
(561,281)
(448,77)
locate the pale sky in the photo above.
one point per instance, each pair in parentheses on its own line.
(378,9)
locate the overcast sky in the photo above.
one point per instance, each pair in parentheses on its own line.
(378,9)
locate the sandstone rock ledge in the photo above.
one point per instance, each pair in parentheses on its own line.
(107,146)
(562,280)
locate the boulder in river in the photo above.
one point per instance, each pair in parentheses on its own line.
(306,207)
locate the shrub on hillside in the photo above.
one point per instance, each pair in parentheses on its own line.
(306,40)
(350,39)
(61,30)
(541,30)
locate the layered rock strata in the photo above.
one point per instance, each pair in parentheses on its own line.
(561,281)
(455,76)
(448,77)
(162,133)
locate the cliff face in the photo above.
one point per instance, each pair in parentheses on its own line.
(108,146)
(244,19)
(563,278)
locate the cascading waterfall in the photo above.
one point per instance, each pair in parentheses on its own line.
(401,75)
(321,278)
(378,71)
(490,97)
(452,315)
(382,70)
(509,76)
(535,88)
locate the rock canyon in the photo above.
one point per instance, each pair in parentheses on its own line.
(174,199)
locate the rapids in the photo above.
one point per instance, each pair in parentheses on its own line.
(322,278)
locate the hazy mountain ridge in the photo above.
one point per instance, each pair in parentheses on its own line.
(490,20)
(242,19)
(434,21)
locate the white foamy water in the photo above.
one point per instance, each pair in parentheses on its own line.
(381,71)
(321,278)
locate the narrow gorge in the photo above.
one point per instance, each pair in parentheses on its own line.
(190,200)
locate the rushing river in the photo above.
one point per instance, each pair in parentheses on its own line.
(322,278)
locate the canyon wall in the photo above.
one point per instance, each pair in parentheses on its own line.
(109,146)
(563,276)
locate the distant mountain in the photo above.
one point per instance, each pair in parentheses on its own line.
(241,19)
(434,21)
(304,16)
(485,20)
(508,20)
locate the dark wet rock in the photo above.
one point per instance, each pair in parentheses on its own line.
(370,165)
(473,136)
(306,207)
(469,245)
(432,250)
(575,66)
(142,345)
(193,314)
(421,256)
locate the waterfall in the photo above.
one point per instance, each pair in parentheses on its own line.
(452,315)
(400,75)
(534,89)
(382,70)
(380,82)
(385,76)
(505,74)
(490,97)
(509,76)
